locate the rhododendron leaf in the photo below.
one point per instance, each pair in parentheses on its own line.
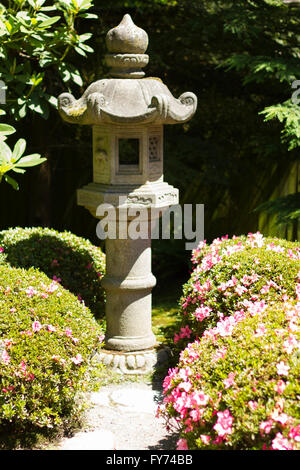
(19,149)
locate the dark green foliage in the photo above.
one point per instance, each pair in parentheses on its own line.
(75,261)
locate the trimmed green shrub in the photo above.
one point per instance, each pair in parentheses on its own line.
(230,275)
(73,261)
(47,341)
(240,389)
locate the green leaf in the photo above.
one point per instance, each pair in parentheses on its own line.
(19,149)
(49,22)
(6,129)
(5,152)
(18,170)
(12,182)
(30,160)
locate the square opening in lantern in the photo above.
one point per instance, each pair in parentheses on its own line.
(129,155)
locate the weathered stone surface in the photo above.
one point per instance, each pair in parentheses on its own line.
(128,111)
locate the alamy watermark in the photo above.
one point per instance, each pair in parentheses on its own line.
(179,222)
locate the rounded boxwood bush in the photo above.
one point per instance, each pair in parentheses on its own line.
(234,274)
(47,342)
(239,389)
(71,260)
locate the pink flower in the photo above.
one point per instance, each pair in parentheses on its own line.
(56,279)
(77,360)
(295,433)
(5,357)
(240,289)
(182,444)
(220,354)
(205,439)
(252,405)
(68,332)
(199,398)
(282,368)
(265,427)
(1,249)
(51,328)
(230,380)
(202,312)
(31,291)
(224,423)
(36,326)
(185,332)
(281,443)
(280,386)
(101,338)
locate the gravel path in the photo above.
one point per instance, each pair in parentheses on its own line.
(122,417)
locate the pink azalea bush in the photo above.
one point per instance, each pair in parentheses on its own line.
(233,275)
(239,390)
(66,258)
(237,380)
(47,342)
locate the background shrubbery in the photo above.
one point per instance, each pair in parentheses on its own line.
(73,261)
(47,341)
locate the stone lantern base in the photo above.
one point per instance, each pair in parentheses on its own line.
(133,362)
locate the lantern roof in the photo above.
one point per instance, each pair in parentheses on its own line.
(128,97)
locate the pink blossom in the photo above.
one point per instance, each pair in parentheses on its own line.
(5,357)
(1,249)
(295,433)
(56,279)
(224,423)
(240,289)
(51,328)
(280,386)
(101,338)
(77,360)
(202,312)
(68,332)
(281,443)
(199,398)
(36,326)
(205,438)
(252,405)
(226,326)
(282,368)
(31,291)
(266,426)
(230,380)
(220,354)
(196,414)
(182,444)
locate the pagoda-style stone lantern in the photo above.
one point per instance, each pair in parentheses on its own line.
(127,113)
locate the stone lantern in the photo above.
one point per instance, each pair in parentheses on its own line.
(127,113)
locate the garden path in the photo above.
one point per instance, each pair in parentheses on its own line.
(122,417)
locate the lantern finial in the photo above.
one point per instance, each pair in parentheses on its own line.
(126,44)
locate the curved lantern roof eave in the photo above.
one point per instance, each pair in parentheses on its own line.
(128,97)
(127,101)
